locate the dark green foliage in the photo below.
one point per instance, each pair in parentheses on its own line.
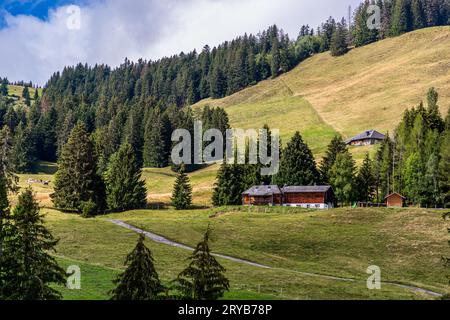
(336,146)
(124,188)
(362,35)
(139,281)
(339,40)
(26,96)
(157,140)
(30,270)
(342,178)
(77,181)
(182,191)
(297,167)
(230,183)
(401,18)
(204,278)
(3,87)
(24,151)
(444,169)
(365,181)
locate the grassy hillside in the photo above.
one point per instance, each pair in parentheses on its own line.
(368,88)
(406,244)
(16,91)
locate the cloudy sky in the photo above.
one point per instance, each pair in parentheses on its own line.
(40,37)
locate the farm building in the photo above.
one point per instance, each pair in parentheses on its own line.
(366,138)
(395,200)
(262,195)
(318,197)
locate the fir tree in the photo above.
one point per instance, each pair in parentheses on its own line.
(157,140)
(230,183)
(26,95)
(444,169)
(413,178)
(124,188)
(4,87)
(434,118)
(365,181)
(139,281)
(401,18)
(32,271)
(339,40)
(204,278)
(24,151)
(297,167)
(342,178)
(182,191)
(418,15)
(336,146)
(77,184)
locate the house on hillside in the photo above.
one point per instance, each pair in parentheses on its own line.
(366,138)
(395,200)
(263,196)
(315,197)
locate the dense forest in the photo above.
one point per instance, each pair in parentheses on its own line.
(140,102)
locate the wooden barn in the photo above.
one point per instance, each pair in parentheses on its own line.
(366,138)
(317,197)
(263,196)
(395,200)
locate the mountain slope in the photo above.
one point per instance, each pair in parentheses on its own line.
(368,88)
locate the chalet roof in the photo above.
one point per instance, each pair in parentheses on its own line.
(395,194)
(369,134)
(262,191)
(305,189)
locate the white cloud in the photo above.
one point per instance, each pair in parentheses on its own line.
(32,49)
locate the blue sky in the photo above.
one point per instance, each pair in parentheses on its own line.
(37,38)
(37,8)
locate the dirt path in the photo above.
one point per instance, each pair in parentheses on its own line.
(162,240)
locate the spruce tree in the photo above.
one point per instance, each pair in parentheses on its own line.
(444,169)
(24,151)
(365,181)
(182,191)
(139,281)
(77,184)
(336,146)
(31,271)
(157,140)
(4,88)
(204,278)
(26,95)
(124,188)
(339,40)
(401,18)
(297,167)
(229,185)
(342,178)
(418,15)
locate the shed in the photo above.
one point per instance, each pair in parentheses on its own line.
(395,200)
(319,197)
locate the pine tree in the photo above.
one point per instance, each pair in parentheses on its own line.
(230,183)
(157,140)
(4,87)
(434,118)
(24,151)
(297,167)
(26,95)
(336,146)
(182,191)
(413,178)
(124,188)
(32,271)
(418,15)
(365,181)
(401,18)
(339,40)
(444,169)
(342,178)
(77,184)
(204,278)
(139,281)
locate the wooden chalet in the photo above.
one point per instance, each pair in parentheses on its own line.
(366,138)
(316,197)
(263,196)
(395,200)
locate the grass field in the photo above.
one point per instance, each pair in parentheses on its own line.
(406,244)
(368,88)
(17,92)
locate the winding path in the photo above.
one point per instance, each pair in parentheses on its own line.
(162,240)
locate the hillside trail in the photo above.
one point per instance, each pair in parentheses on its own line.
(162,240)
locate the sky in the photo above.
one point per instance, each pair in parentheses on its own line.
(38,38)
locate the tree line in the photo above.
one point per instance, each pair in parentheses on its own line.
(415,163)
